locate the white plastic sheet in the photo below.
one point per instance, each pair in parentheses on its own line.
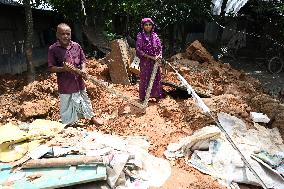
(149,171)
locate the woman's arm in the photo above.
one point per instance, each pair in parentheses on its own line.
(139,46)
(139,52)
(159,46)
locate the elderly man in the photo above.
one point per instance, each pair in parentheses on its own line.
(74,102)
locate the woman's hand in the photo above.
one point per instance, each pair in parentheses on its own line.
(155,58)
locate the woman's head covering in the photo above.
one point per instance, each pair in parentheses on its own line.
(144,20)
(150,42)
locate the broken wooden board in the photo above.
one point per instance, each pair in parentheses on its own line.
(50,177)
(134,67)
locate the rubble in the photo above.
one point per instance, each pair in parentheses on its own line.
(118,61)
(272,107)
(208,146)
(38,108)
(224,89)
(197,52)
(259,117)
(125,159)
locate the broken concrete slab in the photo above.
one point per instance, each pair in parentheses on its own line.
(118,62)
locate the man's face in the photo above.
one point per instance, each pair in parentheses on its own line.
(64,35)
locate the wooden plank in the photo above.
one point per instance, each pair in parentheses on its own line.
(51,177)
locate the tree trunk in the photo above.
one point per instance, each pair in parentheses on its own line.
(222,22)
(29,40)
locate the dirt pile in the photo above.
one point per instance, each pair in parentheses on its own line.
(273,108)
(231,90)
(212,78)
(25,102)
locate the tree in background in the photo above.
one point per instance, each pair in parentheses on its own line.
(121,18)
(28,5)
(29,39)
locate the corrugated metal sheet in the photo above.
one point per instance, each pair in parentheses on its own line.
(216,7)
(232,7)
(9,2)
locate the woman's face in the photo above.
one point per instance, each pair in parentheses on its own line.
(148,27)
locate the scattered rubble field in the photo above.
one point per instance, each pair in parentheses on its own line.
(222,88)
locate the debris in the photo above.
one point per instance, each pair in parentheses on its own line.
(272,161)
(259,117)
(47,128)
(34,177)
(118,62)
(130,156)
(135,66)
(231,168)
(223,89)
(272,108)
(63,162)
(192,142)
(12,134)
(69,137)
(116,170)
(39,151)
(10,152)
(197,52)
(52,178)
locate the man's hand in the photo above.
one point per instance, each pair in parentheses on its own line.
(84,74)
(68,67)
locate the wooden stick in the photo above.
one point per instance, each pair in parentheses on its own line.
(150,86)
(62,162)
